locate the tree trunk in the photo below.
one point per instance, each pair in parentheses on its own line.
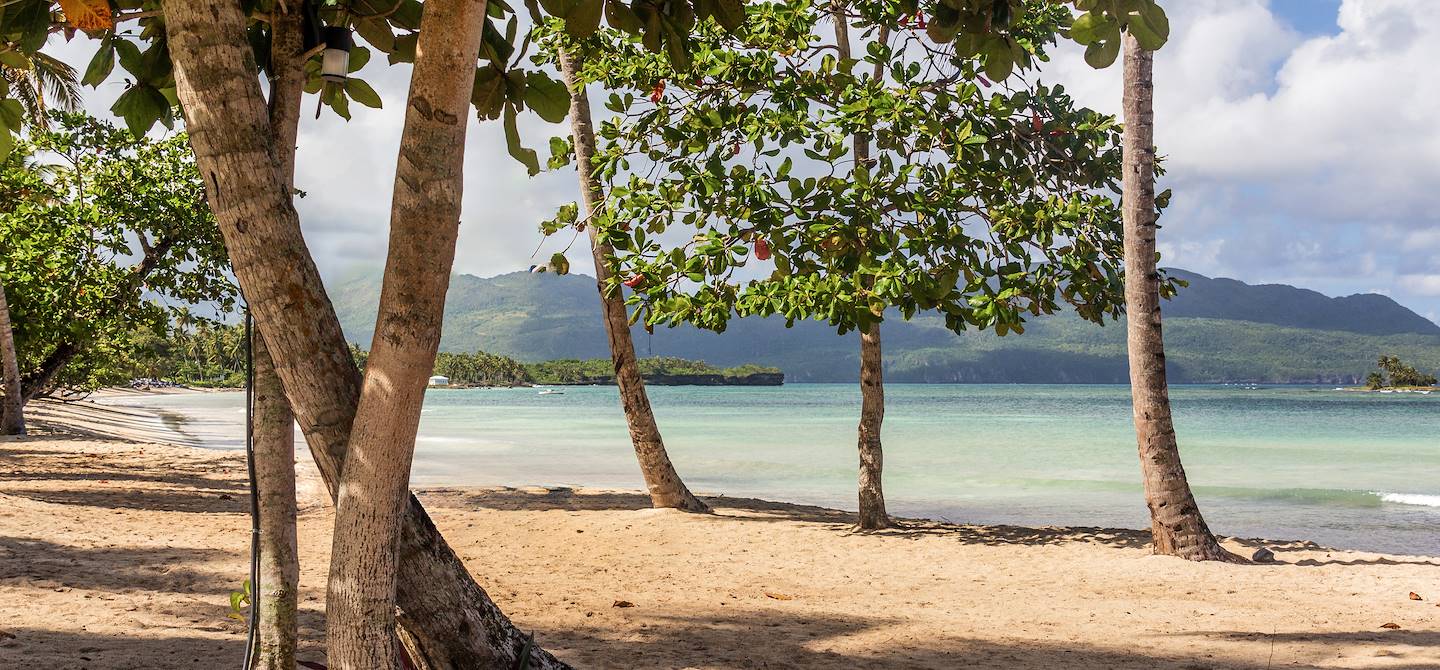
(872,377)
(424,225)
(278,591)
(872,414)
(12,411)
(274,432)
(665,486)
(451,617)
(1175,521)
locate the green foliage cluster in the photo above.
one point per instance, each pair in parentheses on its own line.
(602,370)
(480,369)
(101,232)
(192,352)
(1400,375)
(981,202)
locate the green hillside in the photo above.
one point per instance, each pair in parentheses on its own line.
(1217,330)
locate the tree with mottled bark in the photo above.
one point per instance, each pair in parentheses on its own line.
(12,410)
(661,480)
(1176,525)
(424,226)
(274,424)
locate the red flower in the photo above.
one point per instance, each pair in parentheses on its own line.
(920,21)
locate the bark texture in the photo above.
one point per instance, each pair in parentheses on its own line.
(1175,521)
(872,414)
(12,411)
(275,479)
(424,224)
(872,378)
(274,430)
(664,483)
(448,614)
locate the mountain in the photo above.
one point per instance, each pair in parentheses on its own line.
(1216,330)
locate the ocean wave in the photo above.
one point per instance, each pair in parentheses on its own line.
(1410,499)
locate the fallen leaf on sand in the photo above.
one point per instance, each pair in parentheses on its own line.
(623,603)
(1392,625)
(778,596)
(1415,596)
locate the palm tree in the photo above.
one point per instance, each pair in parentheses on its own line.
(12,411)
(1176,525)
(47,84)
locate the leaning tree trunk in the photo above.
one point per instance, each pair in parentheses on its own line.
(12,411)
(274,433)
(453,620)
(1175,521)
(665,486)
(424,225)
(872,379)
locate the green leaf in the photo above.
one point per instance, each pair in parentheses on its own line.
(559,264)
(12,114)
(141,106)
(584,18)
(621,17)
(1102,54)
(488,95)
(999,59)
(101,64)
(359,56)
(360,92)
(1150,26)
(7,143)
(730,13)
(527,157)
(1088,27)
(548,97)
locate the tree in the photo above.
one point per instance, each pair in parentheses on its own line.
(274,433)
(663,482)
(424,226)
(738,187)
(39,85)
(1400,374)
(12,412)
(94,220)
(1176,525)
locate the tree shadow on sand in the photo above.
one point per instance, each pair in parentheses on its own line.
(798,641)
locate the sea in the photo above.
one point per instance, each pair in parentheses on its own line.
(1340,468)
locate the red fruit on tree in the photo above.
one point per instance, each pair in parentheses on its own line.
(762,249)
(984,82)
(658,92)
(1036,123)
(634,280)
(920,22)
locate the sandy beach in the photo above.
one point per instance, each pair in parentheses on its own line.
(117,552)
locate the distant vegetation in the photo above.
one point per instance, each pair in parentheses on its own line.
(601,370)
(1399,375)
(1216,330)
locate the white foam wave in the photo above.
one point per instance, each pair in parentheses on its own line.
(1410,499)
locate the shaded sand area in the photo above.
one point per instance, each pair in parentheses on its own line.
(121,553)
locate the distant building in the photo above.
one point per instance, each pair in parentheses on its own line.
(439,380)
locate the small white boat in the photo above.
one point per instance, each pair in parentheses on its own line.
(550,392)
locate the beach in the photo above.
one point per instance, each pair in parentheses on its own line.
(117,552)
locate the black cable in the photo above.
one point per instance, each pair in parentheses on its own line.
(251,637)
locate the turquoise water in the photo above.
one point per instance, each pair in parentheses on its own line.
(1353,470)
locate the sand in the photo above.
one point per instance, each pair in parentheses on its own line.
(118,553)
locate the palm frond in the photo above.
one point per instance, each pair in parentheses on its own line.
(59,80)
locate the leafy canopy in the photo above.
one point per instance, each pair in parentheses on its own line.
(101,231)
(734,187)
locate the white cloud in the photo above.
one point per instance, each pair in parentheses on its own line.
(1310,157)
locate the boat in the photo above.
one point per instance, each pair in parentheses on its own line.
(550,392)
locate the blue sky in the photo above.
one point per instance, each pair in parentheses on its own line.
(1299,136)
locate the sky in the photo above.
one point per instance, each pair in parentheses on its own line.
(1299,137)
